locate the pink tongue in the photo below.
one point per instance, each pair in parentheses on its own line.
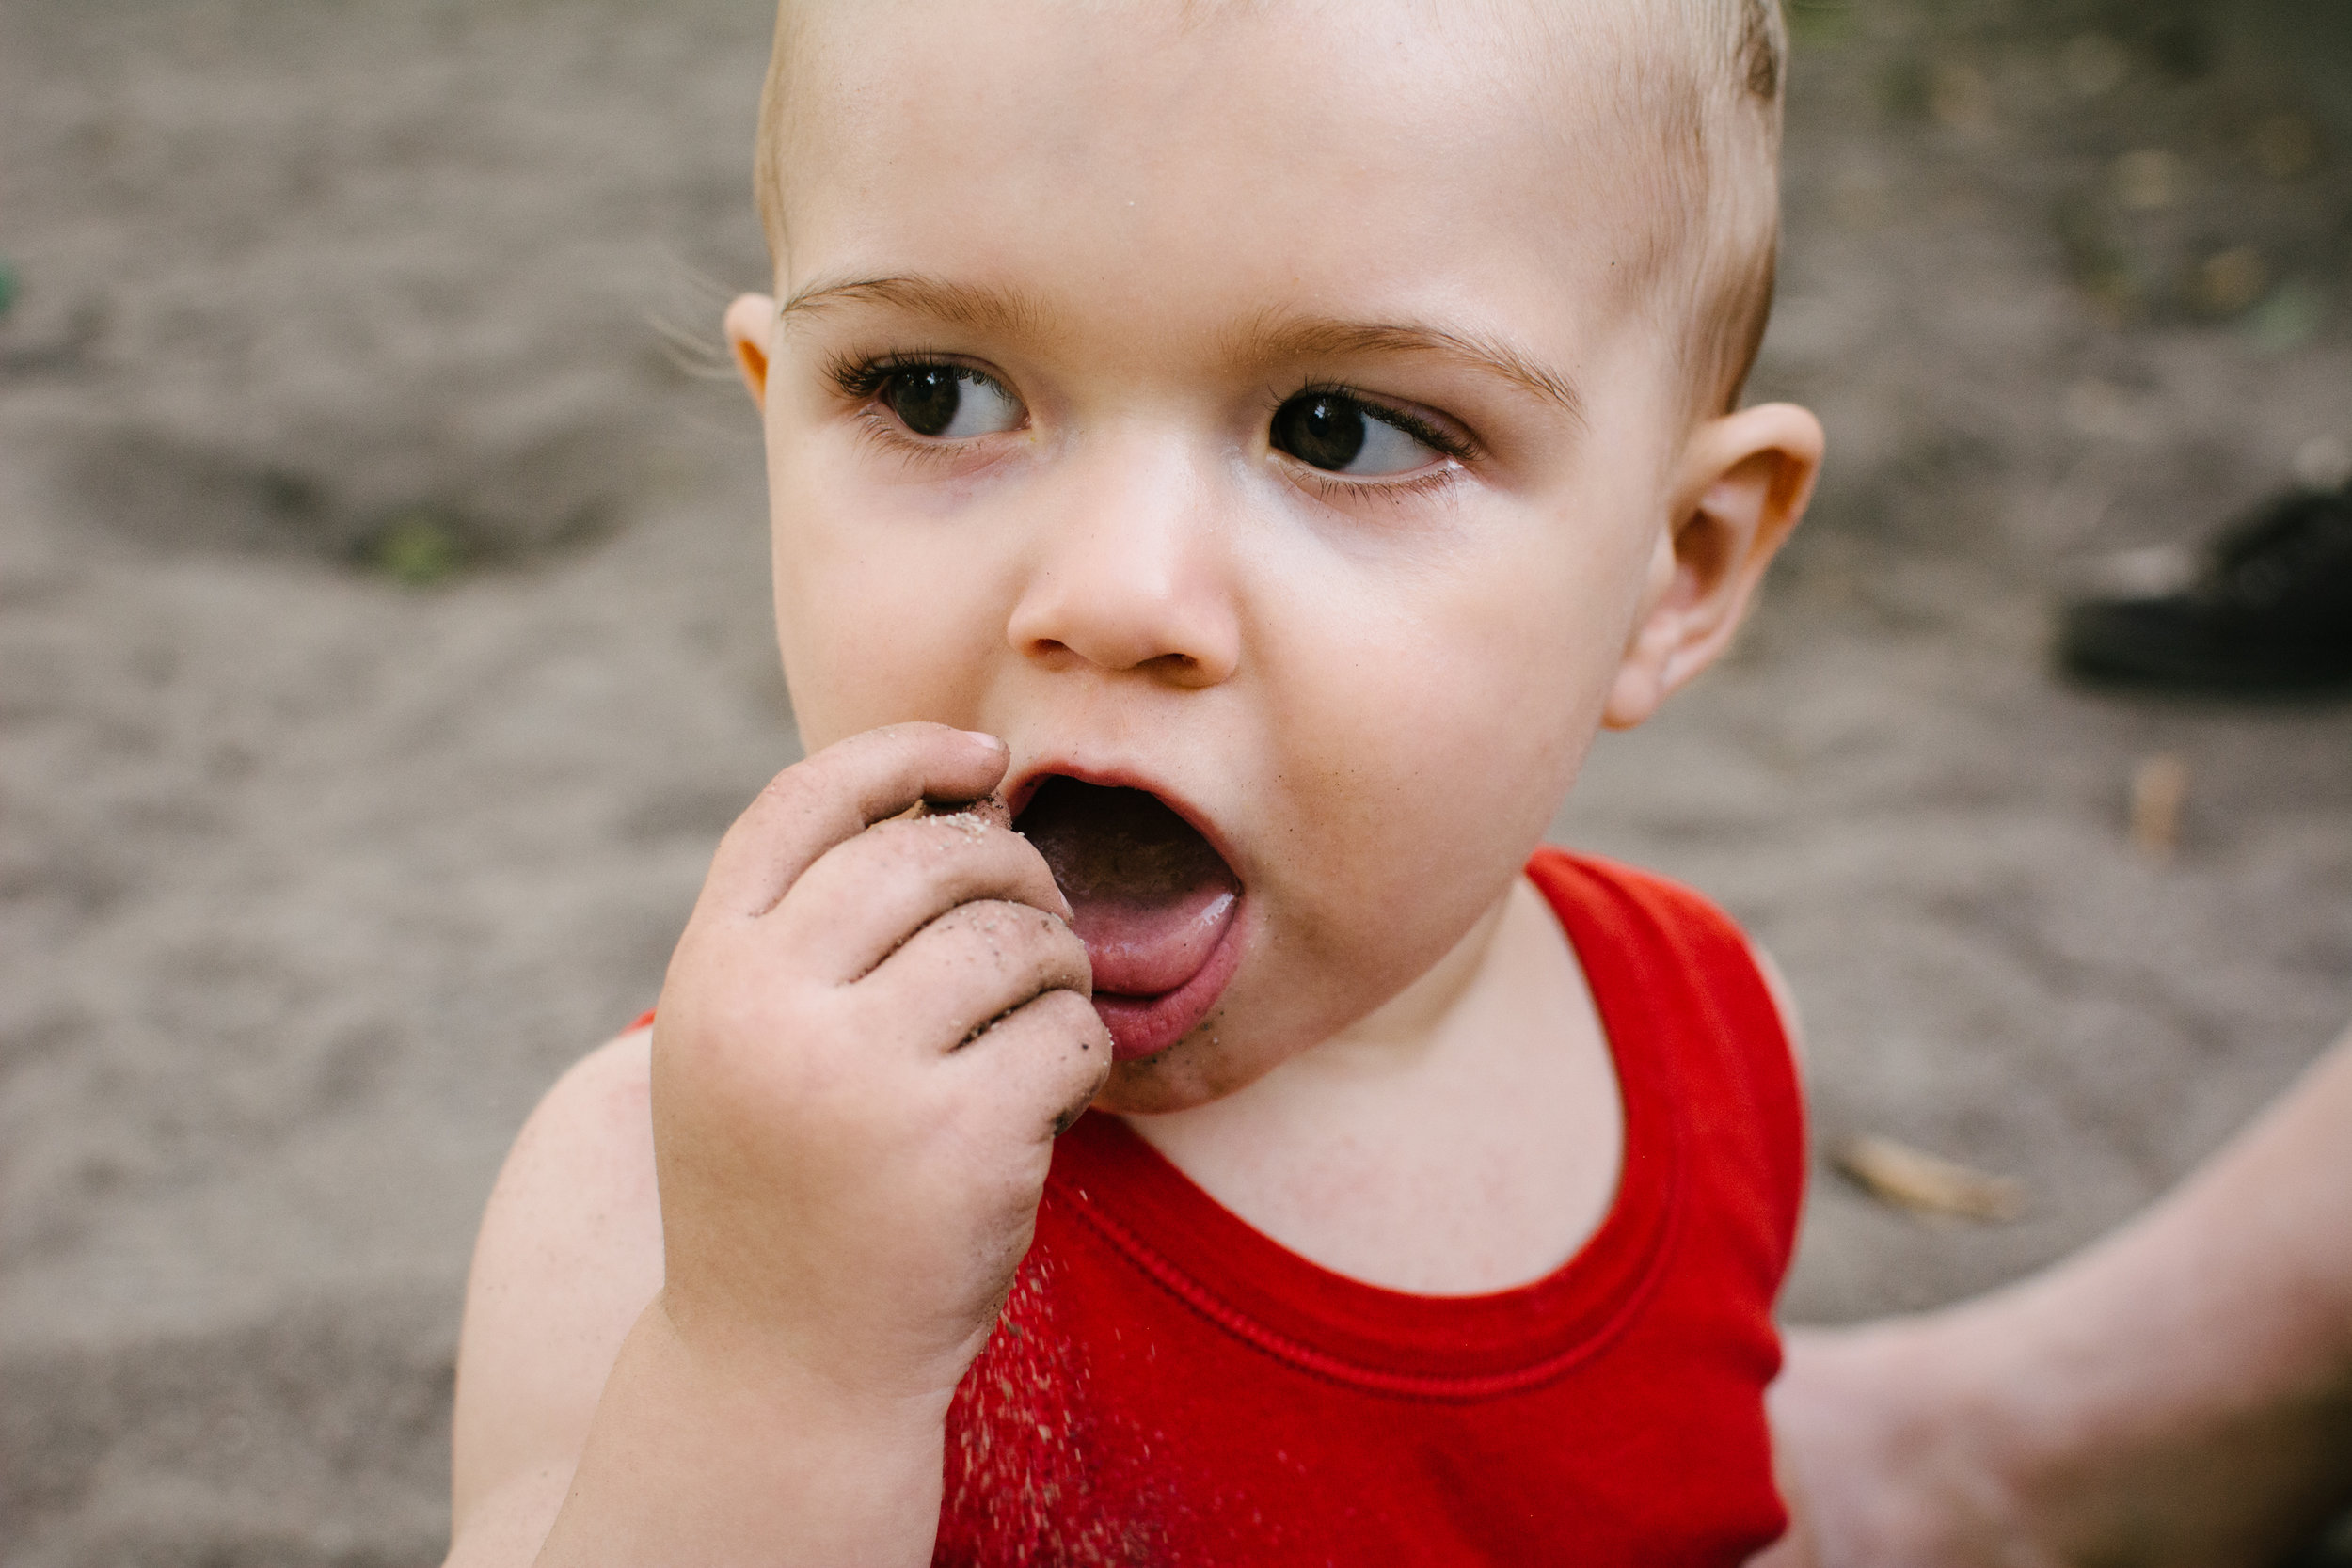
(1145,949)
(1147,894)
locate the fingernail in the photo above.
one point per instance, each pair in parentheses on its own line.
(986,739)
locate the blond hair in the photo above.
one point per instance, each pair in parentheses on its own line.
(1710,85)
(1731,246)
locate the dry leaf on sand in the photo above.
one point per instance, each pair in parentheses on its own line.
(1927,1183)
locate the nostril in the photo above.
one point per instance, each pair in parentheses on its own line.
(1189,671)
(1061,625)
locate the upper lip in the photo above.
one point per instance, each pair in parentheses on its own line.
(1026,784)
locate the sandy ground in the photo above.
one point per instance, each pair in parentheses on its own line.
(383,643)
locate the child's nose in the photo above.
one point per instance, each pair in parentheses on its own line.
(1133,573)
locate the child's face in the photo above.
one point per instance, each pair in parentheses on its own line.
(1255,413)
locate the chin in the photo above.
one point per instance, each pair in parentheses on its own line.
(1178,1079)
(1217,1058)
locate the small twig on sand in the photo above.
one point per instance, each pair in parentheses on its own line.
(1927,1183)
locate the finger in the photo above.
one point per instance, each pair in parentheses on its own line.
(973,966)
(837,794)
(1037,1068)
(862,899)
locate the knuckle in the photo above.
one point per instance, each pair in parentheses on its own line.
(1047,948)
(1007,938)
(1031,998)
(966,854)
(1072,1013)
(794,785)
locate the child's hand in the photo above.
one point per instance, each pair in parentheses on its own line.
(872,1031)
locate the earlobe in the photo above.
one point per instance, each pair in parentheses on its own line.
(1745,481)
(750,328)
(1641,683)
(1636,696)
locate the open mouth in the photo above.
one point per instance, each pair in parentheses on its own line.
(1153,900)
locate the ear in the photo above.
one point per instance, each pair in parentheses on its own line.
(1744,482)
(751,326)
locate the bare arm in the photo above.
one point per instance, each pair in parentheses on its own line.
(2180,1393)
(564,1332)
(568,1258)
(731,1276)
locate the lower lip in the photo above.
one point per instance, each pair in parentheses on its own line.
(1146,1026)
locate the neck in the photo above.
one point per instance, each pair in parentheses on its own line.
(1403,1033)
(1463,1137)
(1410,1035)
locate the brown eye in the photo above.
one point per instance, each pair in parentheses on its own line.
(1319,430)
(1339,434)
(950,402)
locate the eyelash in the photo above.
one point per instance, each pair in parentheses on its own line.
(860,380)
(1338,489)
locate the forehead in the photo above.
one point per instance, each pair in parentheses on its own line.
(1136,160)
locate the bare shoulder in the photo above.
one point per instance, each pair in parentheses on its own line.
(568,1257)
(1784,1000)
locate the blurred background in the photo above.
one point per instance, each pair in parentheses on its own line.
(384,643)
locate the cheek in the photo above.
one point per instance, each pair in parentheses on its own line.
(881,618)
(1425,752)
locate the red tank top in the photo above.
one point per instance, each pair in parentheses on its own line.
(1168,1386)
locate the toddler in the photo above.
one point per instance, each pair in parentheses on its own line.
(1137,1093)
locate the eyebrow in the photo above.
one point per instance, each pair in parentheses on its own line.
(957,303)
(1271,338)
(1311,338)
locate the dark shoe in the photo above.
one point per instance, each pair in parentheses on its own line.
(2270,611)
